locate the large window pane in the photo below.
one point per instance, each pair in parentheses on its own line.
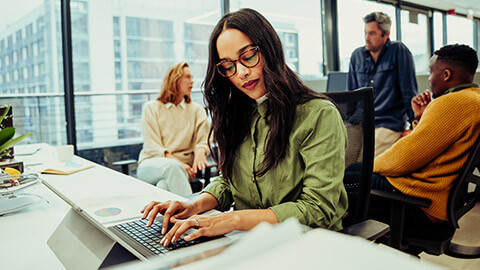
(459,30)
(351,27)
(438,30)
(414,35)
(123,50)
(299,29)
(31,70)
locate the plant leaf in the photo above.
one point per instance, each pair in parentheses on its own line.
(12,141)
(6,134)
(4,114)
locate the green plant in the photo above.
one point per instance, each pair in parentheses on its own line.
(6,136)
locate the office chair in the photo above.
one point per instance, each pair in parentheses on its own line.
(337,81)
(358,114)
(436,239)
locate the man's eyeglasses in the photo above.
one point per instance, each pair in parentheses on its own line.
(248,58)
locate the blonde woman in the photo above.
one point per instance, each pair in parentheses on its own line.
(175,132)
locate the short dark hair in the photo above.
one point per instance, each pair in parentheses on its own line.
(459,55)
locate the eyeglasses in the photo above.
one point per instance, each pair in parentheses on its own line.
(248,58)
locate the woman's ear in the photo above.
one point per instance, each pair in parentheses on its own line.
(447,74)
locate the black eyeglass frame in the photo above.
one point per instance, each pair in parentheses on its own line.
(255,48)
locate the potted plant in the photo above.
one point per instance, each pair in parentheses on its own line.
(6,137)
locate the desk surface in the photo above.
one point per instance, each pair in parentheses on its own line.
(25,233)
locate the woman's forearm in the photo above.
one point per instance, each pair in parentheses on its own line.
(204,202)
(246,220)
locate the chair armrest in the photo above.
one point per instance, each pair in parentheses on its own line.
(124,162)
(399,197)
(369,229)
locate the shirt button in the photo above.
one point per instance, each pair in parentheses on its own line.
(253,179)
(371,81)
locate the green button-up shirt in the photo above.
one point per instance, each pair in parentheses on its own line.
(307,184)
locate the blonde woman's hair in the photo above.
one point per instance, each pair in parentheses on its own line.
(169,91)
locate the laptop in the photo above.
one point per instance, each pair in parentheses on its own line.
(100,238)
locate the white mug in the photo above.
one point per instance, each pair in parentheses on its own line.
(65,152)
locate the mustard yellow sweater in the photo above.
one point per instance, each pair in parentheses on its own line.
(426,162)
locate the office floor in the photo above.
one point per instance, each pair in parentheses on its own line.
(468,234)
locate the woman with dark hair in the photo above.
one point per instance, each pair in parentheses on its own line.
(281,145)
(175,133)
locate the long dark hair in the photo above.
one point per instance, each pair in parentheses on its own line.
(231,109)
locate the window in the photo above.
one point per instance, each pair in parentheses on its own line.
(131,50)
(414,36)
(35,49)
(116,26)
(459,30)
(24,53)
(299,28)
(438,30)
(351,26)
(35,71)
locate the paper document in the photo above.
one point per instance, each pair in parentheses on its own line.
(65,168)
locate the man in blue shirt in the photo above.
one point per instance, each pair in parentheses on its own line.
(388,67)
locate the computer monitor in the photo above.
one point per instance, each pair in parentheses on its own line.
(337,81)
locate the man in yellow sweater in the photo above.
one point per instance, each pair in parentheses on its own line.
(426,162)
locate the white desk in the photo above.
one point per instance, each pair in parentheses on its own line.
(25,233)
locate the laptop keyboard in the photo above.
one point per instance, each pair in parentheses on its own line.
(150,237)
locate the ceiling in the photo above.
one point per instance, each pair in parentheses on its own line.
(460,6)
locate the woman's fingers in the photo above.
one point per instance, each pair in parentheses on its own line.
(147,208)
(174,207)
(180,227)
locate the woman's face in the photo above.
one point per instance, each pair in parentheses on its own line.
(230,45)
(185,83)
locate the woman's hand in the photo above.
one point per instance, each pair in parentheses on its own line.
(207,225)
(171,210)
(191,173)
(199,160)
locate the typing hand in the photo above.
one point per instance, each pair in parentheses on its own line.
(207,225)
(420,102)
(169,210)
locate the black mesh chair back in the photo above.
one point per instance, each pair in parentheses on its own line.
(461,200)
(357,111)
(337,81)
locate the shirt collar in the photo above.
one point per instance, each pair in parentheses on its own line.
(261,99)
(262,109)
(460,87)
(181,104)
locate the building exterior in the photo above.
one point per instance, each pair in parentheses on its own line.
(121,51)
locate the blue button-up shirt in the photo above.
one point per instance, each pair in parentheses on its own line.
(393,80)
